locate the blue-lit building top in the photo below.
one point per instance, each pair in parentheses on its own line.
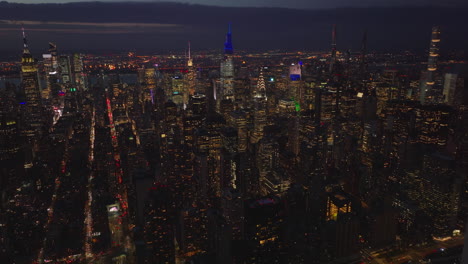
(228,49)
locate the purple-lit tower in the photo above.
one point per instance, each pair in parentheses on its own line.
(228,49)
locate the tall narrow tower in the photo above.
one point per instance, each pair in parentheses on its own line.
(190,73)
(260,91)
(30,84)
(362,62)
(333,50)
(228,49)
(227,69)
(427,95)
(259,100)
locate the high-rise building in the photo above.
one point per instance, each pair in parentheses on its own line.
(333,51)
(190,78)
(260,108)
(31,87)
(65,69)
(115,224)
(227,70)
(79,76)
(264,223)
(159,230)
(149,84)
(51,70)
(429,82)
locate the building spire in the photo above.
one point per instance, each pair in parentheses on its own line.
(333,51)
(261,87)
(25,41)
(228,43)
(363,52)
(189,60)
(189,54)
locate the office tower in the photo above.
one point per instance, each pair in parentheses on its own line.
(50,70)
(260,108)
(198,105)
(229,159)
(264,220)
(192,235)
(190,78)
(267,158)
(429,91)
(227,70)
(65,70)
(342,226)
(149,84)
(9,142)
(159,230)
(333,51)
(219,236)
(31,87)
(115,224)
(439,192)
(238,120)
(178,88)
(79,75)
(233,212)
(295,72)
(386,90)
(455,93)
(432,125)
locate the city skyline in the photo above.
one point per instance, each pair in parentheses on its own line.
(139,133)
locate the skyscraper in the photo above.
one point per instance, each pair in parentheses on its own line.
(428,81)
(333,50)
(190,79)
(260,107)
(227,69)
(31,87)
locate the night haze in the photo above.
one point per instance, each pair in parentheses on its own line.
(167,26)
(233,132)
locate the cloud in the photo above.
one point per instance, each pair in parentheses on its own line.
(89,24)
(89,27)
(74,30)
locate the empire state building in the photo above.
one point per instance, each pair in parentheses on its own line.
(30,84)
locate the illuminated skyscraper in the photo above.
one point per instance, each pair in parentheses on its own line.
(428,81)
(150,84)
(9,140)
(190,79)
(65,69)
(115,224)
(31,86)
(228,49)
(227,69)
(159,232)
(51,69)
(79,76)
(260,107)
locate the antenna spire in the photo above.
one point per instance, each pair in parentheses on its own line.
(25,41)
(189,53)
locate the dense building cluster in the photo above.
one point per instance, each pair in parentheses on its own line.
(336,157)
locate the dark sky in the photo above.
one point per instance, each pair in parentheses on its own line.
(296,4)
(148,27)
